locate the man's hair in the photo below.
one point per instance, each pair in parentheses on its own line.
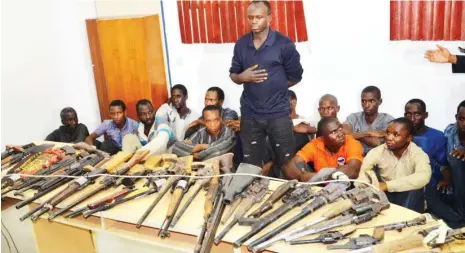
(292,95)
(330,96)
(219,92)
(180,87)
(65,111)
(462,104)
(118,102)
(373,89)
(417,101)
(265,2)
(143,102)
(324,122)
(211,108)
(408,124)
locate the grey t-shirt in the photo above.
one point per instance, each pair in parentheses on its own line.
(358,123)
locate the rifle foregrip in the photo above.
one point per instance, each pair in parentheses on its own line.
(64,194)
(339,207)
(177,194)
(109,199)
(409,242)
(209,200)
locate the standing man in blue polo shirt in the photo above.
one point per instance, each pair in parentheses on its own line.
(267,63)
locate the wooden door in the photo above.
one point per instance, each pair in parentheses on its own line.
(128,59)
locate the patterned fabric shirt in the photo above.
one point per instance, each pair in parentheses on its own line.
(109,128)
(177,123)
(160,124)
(359,125)
(221,144)
(452,137)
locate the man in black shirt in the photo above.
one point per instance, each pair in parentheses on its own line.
(71,131)
(266,63)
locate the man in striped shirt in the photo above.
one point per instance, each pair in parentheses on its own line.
(213,140)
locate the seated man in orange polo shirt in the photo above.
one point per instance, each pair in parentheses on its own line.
(333,149)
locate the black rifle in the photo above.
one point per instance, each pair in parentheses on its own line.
(11,151)
(421,220)
(361,241)
(254,194)
(328,238)
(230,188)
(76,169)
(328,194)
(275,196)
(33,182)
(296,198)
(134,195)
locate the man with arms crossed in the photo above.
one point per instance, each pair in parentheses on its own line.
(368,126)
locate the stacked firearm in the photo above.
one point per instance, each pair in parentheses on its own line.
(72,175)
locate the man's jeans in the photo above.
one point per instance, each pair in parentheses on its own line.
(458,183)
(280,133)
(412,200)
(441,206)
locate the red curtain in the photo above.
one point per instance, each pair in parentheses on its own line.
(428,20)
(224,21)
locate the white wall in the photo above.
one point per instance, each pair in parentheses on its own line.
(46,66)
(348,49)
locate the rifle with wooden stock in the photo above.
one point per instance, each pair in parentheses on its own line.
(76,169)
(172,166)
(235,185)
(206,170)
(76,185)
(106,182)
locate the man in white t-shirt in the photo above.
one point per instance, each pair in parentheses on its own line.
(176,111)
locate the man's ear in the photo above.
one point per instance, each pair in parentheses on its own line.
(338,108)
(221,103)
(426,115)
(380,101)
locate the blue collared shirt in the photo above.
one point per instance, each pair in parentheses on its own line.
(278,55)
(452,137)
(109,128)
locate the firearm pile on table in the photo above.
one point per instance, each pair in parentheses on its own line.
(239,200)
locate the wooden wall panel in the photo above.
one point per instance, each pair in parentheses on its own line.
(301,26)
(232,22)
(216,22)
(195,21)
(427,20)
(226,20)
(181,22)
(290,16)
(202,20)
(187,21)
(128,59)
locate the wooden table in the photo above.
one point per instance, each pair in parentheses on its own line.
(54,236)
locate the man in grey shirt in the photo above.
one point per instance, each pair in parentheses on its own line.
(368,126)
